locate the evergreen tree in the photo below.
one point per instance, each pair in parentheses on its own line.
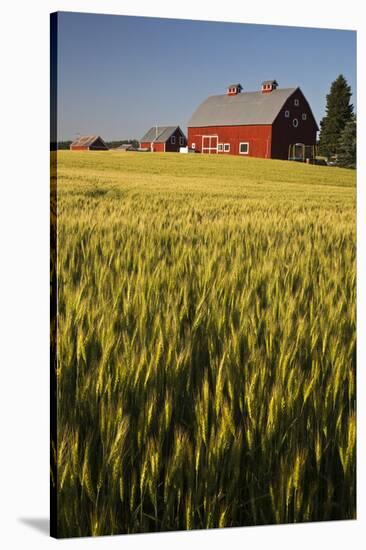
(347,145)
(339,111)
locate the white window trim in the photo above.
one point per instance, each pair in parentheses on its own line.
(242,152)
(220,147)
(296,102)
(172,140)
(181,140)
(304,116)
(287,114)
(293,122)
(226,147)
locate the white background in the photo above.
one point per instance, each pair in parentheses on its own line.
(24,279)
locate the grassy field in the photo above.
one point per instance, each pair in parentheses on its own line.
(206,368)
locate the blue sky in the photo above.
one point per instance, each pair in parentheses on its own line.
(118,76)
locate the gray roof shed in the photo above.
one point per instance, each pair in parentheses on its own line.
(159,134)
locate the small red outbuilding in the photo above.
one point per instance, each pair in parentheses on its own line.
(163,139)
(88,143)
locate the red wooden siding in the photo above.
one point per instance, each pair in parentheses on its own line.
(86,148)
(158,147)
(258,137)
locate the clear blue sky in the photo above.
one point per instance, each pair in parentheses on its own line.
(118,75)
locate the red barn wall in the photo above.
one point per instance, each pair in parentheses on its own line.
(284,133)
(158,147)
(258,137)
(79,148)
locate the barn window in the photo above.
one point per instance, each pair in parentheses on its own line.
(287,114)
(295,123)
(172,140)
(296,102)
(304,116)
(181,140)
(244,148)
(220,147)
(193,145)
(226,147)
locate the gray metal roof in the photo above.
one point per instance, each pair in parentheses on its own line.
(238,85)
(159,134)
(241,109)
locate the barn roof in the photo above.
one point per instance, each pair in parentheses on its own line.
(241,109)
(86,141)
(159,134)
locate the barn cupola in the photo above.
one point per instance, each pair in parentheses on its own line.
(269,86)
(234,89)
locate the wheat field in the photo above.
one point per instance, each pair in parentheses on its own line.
(206,343)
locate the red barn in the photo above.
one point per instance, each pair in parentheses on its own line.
(257,124)
(88,143)
(163,138)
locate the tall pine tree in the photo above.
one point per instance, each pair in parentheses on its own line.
(339,111)
(347,145)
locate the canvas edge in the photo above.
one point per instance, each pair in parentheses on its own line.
(53,274)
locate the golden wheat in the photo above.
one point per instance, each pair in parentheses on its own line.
(206,343)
